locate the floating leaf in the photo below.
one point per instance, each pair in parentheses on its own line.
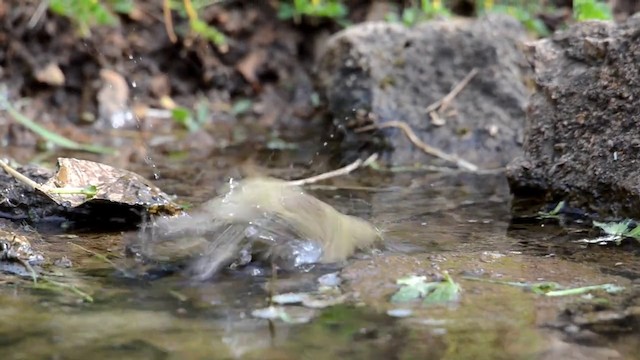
(444,292)
(619,230)
(416,287)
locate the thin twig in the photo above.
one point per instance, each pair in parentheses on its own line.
(96,254)
(46,134)
(30,269)
(21,178)
(48,284)
(191,12)
(411,135)
(168,22)
(47,190)
(442,104)
(37,15)
(338,172)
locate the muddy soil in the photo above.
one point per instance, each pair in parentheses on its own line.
(76,86)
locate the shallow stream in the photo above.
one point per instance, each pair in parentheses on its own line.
(432,222)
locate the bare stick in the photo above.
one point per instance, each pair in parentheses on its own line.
(421,145)
(338,172)
(168,22)
(47,190)
(442,104)
(21,178)
(37,15)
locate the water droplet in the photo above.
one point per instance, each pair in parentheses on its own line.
(149,161)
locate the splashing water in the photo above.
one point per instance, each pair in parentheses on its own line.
(258,219)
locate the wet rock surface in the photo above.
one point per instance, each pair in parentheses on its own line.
(80,191)
(381,72)
(581,141)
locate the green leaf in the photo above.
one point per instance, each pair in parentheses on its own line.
(591,10)
(406,293)
(620,229)
(184,117)
(614,228)
(444,292)
(180,114)
(544,287)
(241,106)
(122,6)
(45,133)
(553,214)
(209,32)
(416,287)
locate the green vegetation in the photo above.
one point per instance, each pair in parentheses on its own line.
(437,292)
(89,191)
(427,9)
(49,136)
(525,13)
(620,230)
(553,289)
(554,213)
(86,14)
(295,9)
(591,10)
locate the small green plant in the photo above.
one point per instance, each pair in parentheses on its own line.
(333,9)
(416,287)
(554,213)
(553,289)
(86,14)
(527,15)
(433,8)
(190,9)
(427,9)
(619,230)
(192,120)
(591,10)
(44,133)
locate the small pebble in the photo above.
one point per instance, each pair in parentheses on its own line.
(331,279)
(400,313)
(289,298)
(63,262)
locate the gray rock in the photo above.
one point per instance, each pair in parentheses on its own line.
(583,136)
(379,72)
